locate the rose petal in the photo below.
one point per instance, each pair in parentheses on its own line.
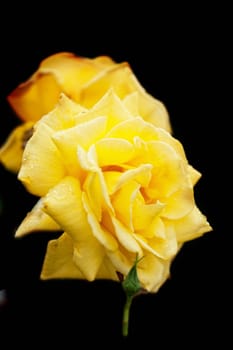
(64,204)
(36,220)
(119,78)
(58,261)
(64,115)
(163,248)
(141,174)
(129,128)
(88,256)
(151,109)
(144,213)
(42,166)
(12,150)
(125,237)
(57,73)
(113,151)
(31,99)
(191,226)
(102,235)
(153,272)
(110,106)
(122,201)
(84,134)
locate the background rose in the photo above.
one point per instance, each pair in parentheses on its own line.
(116,185)
(84,80)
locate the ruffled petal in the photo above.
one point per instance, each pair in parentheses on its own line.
(153,272)
(42,166)
(193,225)
(12,150)
(58,261)
(36,221)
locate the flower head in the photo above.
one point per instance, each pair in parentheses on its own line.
(115,184)
(85,81)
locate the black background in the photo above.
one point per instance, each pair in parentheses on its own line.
(180,57)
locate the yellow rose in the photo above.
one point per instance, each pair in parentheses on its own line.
(84,80)
(116,185)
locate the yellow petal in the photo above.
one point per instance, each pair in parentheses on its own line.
(58,261)
(128,129)
(153,272)
(84,134)
(157,227)
(95,183)
(88,256)
(191,226)
(194,174)
(170,173)
(121,262)
(122,201)
(163,248)
(125,237)
(31,99)
(36,220)
(64,204)
(110,106)
(12,150)
(107,270)
(93,189)
(113,151)
(151,109)
(64,115)
(61,72)
(42,166)
(102,235)
(144,213)
(118,77)
(179,204)
(141,174)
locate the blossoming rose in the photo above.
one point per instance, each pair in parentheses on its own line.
(84,80)
(116,185)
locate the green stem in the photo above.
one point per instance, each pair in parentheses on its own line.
(125,323)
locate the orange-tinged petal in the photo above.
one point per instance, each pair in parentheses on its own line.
(12,150)
(61,72)
(31,99)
